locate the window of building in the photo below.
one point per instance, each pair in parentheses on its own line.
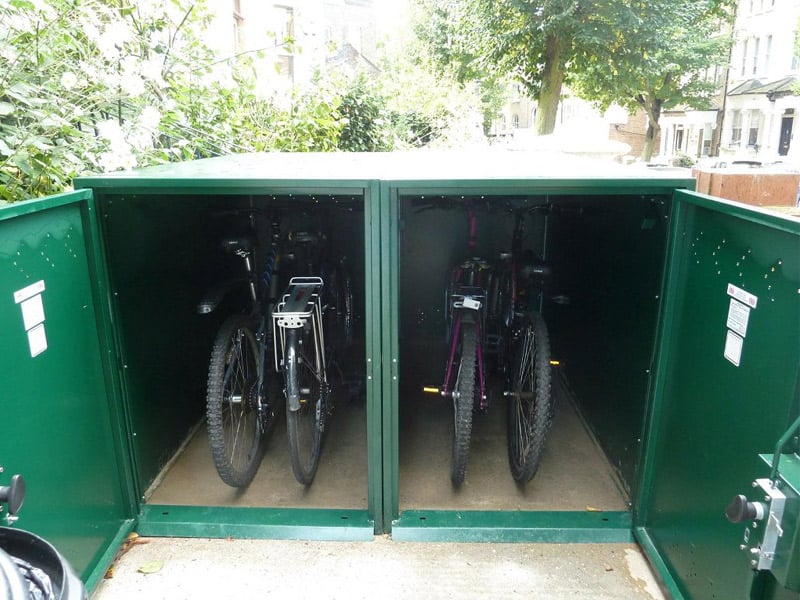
(285,66)
(768,53)
(238,26)
(744,56)
(736,128)
(515,121)
(677,145)
(284,24)
(795,59)
(756,46)
(755,125)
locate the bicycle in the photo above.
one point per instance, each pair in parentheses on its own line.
(525,338)
(490,311)
(240,413)
(465,379)
(309,307)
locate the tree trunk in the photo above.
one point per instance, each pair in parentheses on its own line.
(653,110)
(650,141)
(552,80)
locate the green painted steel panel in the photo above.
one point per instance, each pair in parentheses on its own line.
(155,249)
(243,523)
(513,526)
(60,426)
(726,387)
(608,259)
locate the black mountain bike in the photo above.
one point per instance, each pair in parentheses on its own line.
(514,307)
(240,410)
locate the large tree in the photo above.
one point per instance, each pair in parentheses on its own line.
(533,41)
(654,55)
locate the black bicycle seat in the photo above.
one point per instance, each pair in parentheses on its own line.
(303,237)
(238,243)
(537,268)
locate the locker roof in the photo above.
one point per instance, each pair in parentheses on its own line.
(400,167)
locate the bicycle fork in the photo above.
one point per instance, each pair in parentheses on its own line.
(473,316)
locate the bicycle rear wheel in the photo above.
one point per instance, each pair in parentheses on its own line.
(232,402)
(530,407)
(464,402)
(305,403)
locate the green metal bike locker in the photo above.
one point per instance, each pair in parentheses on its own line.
(676,326)
(605,237)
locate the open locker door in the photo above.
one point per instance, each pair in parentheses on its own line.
(724,393)
(61,422)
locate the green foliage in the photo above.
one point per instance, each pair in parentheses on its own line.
(363,111)
(637,53)
(452,39)
(102,85)
(654,55)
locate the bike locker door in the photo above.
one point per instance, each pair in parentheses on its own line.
(60,427)
(724,392)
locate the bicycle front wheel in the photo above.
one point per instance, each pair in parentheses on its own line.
(464,402)
(305,403)
(232,402)
(530,407)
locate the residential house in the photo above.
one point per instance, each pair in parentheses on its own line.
(291,40)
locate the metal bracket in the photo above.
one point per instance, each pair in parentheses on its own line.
(773,530)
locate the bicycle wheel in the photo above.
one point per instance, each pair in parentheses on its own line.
(232,400)
(304,423)
(530,407)
(464,402)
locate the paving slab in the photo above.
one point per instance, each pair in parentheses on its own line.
(183,568)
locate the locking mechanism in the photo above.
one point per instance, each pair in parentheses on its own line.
(741,510)
(770,537)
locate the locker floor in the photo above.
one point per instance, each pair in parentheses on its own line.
(574,473)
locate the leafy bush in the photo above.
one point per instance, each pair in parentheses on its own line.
(103,85)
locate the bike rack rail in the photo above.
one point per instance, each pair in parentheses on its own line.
(301,302)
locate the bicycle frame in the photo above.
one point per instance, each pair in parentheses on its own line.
(467,300)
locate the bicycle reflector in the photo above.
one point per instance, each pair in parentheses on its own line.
(430,390)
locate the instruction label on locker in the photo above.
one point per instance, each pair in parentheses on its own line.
(30,302)
(741,304)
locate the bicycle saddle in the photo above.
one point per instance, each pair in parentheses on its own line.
(303,237)
(237,243)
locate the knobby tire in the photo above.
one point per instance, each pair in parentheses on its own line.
(530,407)
(234,431)
(464,402)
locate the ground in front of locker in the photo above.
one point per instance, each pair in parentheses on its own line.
(183,568)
